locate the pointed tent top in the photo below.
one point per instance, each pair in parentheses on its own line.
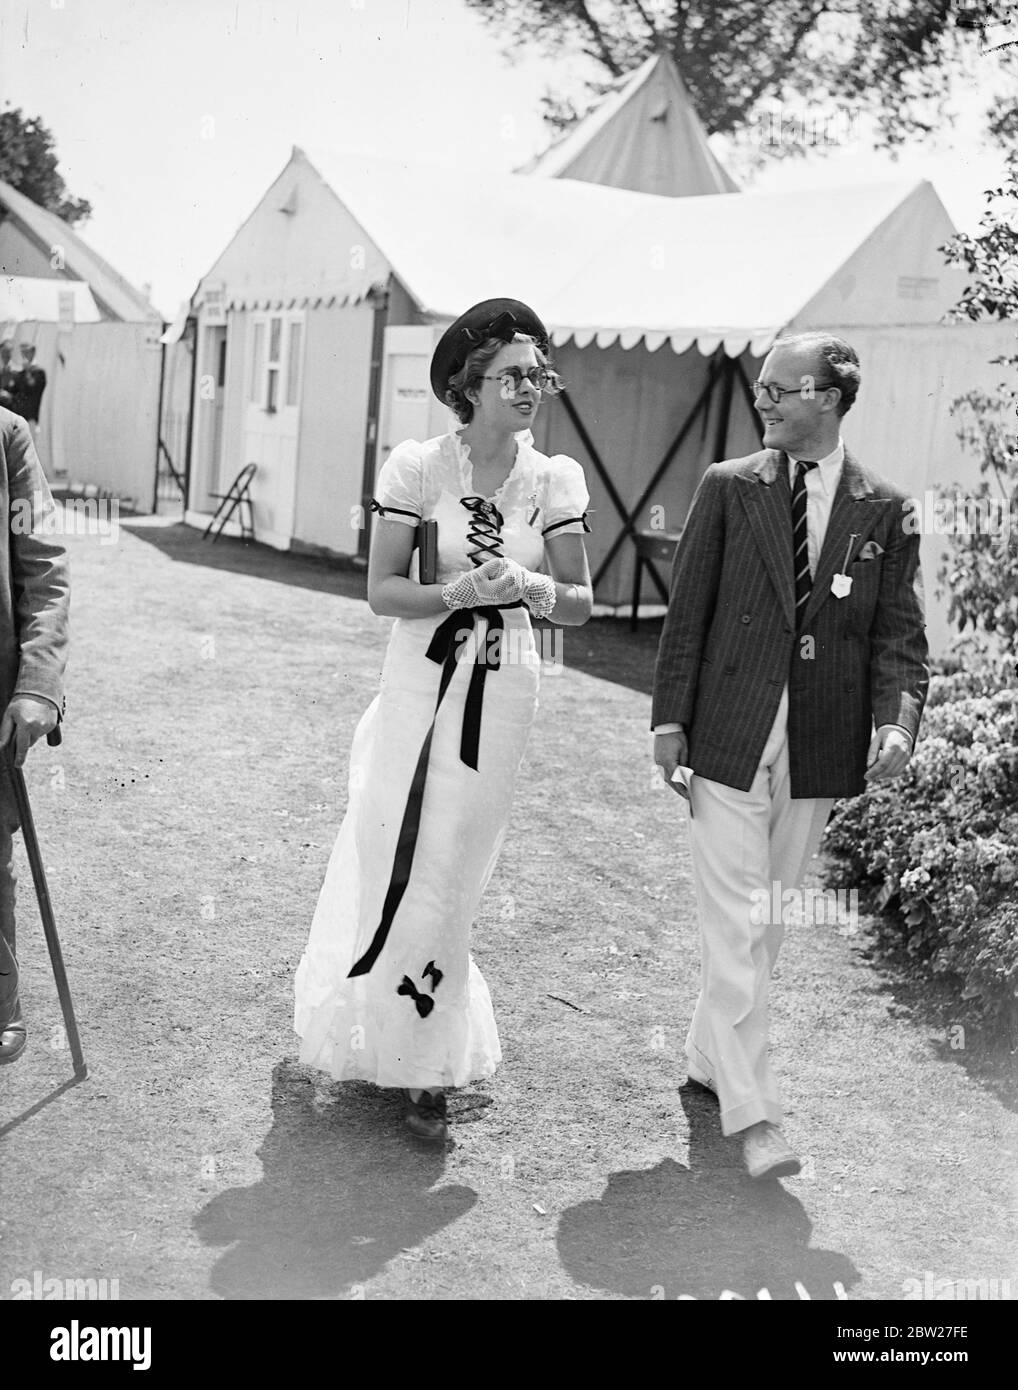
(646,136)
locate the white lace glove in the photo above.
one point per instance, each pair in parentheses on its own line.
(501,581)
(539,593)
(496,581)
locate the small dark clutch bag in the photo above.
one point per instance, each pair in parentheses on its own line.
(426,539)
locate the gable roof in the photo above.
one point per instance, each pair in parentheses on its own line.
(645,136)
(116,297)
(606,264)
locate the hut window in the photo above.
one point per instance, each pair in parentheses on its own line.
(257,352)
(293,365)
(272,381)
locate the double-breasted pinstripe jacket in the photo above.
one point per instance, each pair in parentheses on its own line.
(34,581)
(729,643)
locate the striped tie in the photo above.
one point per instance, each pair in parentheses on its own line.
(800,539)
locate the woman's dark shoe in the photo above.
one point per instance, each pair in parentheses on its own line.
(427,1116)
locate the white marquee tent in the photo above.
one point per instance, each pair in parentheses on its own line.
(660,308)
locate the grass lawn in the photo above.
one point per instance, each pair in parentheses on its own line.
(187,820)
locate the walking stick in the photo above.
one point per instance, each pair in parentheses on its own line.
(49,925)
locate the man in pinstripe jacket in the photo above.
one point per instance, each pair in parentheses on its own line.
(792,671)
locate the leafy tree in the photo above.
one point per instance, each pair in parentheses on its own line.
(28,162)
(982,570)
(896,59)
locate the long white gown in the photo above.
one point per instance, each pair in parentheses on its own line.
(418,1013)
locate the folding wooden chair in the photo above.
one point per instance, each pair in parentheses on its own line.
(238,495)
(651,546)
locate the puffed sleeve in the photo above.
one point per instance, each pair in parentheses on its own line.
(567,498)
(399,491)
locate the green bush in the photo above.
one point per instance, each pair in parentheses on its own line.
(937,848)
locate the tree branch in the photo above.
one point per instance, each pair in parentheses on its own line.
(770,79)
(604,53)
(645,17)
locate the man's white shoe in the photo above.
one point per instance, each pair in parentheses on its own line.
(767,1153)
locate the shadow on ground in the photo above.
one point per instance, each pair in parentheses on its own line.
(344,1189)
(695,1232)
(186,545)
(604,647)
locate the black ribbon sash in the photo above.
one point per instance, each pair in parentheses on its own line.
(448,637)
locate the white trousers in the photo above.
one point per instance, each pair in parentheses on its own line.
(748,848)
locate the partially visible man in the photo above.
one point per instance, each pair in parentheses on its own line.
(29,384)
(792,670)
(8,375)
(34,603)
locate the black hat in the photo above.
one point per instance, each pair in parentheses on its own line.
(492,318)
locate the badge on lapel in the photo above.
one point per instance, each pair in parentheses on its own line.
(841,584)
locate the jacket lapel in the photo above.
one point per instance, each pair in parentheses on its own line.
(768,501)
(854,513)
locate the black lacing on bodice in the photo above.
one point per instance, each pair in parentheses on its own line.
(483,530)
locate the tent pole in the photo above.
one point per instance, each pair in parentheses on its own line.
(159,419)
(379,294)
(676,444)
(747,391)
(724,415)
(190,414)
(595,457)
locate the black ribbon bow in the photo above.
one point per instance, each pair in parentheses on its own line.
(503,326)
(423,1002)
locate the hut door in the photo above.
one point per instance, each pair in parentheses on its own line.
(408,408)
(271,421)
(218,365)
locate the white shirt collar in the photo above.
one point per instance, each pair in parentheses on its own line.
(828,468)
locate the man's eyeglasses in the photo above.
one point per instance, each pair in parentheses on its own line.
(806,390)
(512,379)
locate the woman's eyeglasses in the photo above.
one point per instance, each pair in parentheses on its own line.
(776,392)
(512,379)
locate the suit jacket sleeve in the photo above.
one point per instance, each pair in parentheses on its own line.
(696,575)
(899,655)
(40,581)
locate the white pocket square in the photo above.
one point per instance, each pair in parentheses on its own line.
(870,551)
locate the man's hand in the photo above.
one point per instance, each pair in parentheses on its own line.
(889,754)
(28,718)
(671,751)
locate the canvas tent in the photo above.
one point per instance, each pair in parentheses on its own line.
(102,361)
(24,299)
(319,318)
(645,136)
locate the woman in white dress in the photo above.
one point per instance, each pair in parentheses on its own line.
(387,990)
